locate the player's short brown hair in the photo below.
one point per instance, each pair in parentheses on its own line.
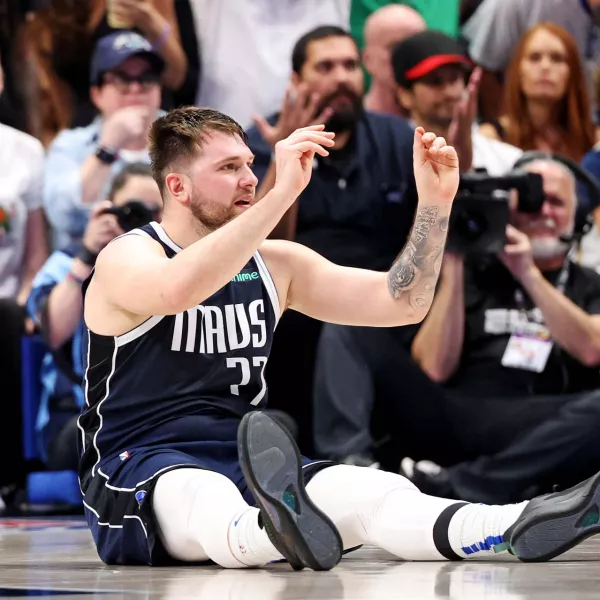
(180,134)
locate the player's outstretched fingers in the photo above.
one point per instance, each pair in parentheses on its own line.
(319,127)
(304,135)
(318,137)
(310,147)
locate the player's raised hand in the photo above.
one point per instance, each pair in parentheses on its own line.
(294,157)
(436,168)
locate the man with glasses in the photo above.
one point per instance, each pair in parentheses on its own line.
(125,87)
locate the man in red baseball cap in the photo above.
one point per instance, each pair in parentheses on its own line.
(430,70)
(431,73)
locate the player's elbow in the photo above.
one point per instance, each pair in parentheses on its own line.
(413,315)
(407,316)
(418,314)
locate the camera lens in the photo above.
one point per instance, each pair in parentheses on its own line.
(134,214)
(469,225)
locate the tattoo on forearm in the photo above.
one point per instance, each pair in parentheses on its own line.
(417,268)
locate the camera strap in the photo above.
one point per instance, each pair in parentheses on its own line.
(530,345)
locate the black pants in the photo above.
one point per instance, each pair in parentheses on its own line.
(497,449)
(289,372)
(12,465)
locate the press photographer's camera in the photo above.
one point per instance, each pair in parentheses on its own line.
(480,212)
(133,214)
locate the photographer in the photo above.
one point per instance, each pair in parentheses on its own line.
(55,303)
(508,359)
(517,347)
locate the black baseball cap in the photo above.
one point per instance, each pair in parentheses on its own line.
(420,54)
(114,49)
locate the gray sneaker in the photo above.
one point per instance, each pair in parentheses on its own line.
(554,523)
(271,464)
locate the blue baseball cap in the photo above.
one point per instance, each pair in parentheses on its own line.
(114,49)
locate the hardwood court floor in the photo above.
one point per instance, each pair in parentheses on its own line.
(56,559)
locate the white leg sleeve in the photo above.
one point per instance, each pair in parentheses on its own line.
(201,515)
(384,509)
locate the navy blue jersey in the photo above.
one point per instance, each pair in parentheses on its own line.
(155,385)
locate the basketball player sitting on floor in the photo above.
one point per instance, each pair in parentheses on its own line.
(176,452)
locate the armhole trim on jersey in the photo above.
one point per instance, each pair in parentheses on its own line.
(138,331)
(139,232)
(269,285)
(164,238)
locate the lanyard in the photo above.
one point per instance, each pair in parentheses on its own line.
(561,284)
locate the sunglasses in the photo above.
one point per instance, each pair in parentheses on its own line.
(122,81)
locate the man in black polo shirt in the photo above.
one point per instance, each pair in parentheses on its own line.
(359,206)
(357,209)
(506,393)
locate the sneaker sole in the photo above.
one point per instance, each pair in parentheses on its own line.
(271,464)
(551,528)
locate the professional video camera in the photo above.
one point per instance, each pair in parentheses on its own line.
(480,212)
(133,214)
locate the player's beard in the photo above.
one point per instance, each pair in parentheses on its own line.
(209,215)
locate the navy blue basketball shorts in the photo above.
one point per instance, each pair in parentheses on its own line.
(118,499)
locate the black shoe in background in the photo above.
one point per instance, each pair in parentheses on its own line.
(430,478)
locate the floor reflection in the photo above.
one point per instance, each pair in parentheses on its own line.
(59,561)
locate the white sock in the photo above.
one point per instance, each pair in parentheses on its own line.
(250,543)
(476,528)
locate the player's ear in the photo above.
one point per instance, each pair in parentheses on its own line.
(179,186)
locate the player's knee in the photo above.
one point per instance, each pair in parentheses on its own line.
(172,505)
(362,483)
(194,510)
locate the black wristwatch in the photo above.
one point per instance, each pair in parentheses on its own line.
(106,155)
(87,257)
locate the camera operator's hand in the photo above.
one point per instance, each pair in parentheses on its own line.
(294,158)
(127,126)
(296,113)
(101,228)
(518,256)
